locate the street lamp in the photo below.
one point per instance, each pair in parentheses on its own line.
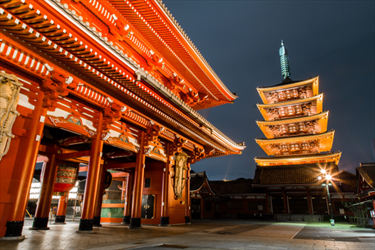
(328,178)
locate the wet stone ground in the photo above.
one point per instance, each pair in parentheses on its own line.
(203,234)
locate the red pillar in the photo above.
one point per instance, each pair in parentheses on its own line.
(164,220)
(44,203)
(128,198)
(92,181)
(61,209)
(23,169)
(135,221)
(99,198)
(187,196)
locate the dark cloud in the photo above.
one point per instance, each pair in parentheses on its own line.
(332,39)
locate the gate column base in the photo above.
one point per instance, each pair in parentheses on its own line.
(135,223)
(164,221)
(85,225)
(187,220)
(14,229)
(60,219)
(97,221)
(40,223)
(126,220)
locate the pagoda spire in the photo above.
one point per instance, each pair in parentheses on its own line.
(284,61)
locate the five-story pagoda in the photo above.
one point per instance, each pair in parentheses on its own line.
(297,143)
(295,124)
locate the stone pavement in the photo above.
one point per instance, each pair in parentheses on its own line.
(202,234)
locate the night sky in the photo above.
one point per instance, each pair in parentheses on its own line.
(241,40)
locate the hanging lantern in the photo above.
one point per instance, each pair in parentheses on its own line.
(67,175)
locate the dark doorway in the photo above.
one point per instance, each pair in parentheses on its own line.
(278,205)
(195,208)
(147,206)
(319,205)
(298,205)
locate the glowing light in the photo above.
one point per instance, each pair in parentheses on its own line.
(328,177)
(323,171)
(319,177)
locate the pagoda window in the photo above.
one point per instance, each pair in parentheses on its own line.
(294,147)
(273,96)
(302,127)
(305,146)
(292,128)
(284,148)
(298,109)
(282,96)
(282,112)
(288,94)
(291,111)
(283,129)
(295,93)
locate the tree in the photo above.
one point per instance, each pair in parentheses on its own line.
(360,210)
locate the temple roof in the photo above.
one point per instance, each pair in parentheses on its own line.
(367,171)
(198,181)
(116,80)
(298,159)
(295,174)
(156,24)
(347,181)
(241,186)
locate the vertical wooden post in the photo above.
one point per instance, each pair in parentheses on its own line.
(24,169)
(99,197)
(61,209)
(187,196)
(128,198)
(92,181)
(285,202)
(309,201)
(44,203)
(135,220)
(164,220)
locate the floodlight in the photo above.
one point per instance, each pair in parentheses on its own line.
(328,177)
(323,171)
(319,177)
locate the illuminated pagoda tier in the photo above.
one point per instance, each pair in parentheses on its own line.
(298,146)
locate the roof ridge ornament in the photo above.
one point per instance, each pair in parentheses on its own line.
(284,62)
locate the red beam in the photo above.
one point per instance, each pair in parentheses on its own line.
(78,154)
(120,165)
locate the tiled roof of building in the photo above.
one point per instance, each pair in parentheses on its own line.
(367,171)
(347,181)
(197,180)
(295,174)
(241,186)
